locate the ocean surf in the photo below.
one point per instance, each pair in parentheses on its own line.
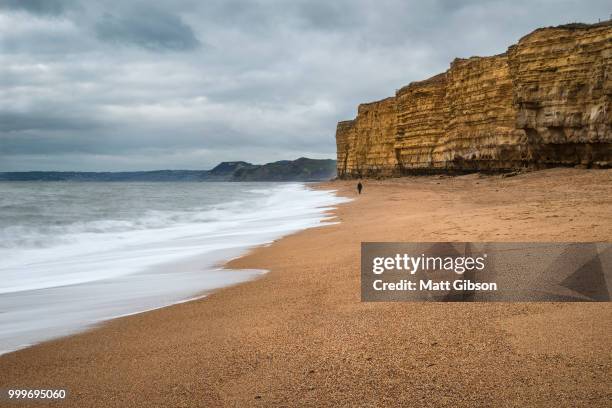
(75,254)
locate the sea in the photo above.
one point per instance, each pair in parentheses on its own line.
(74,254)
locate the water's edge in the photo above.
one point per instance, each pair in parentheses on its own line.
(229,276)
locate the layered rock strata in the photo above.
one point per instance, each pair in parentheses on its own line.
(366,144)
(421,119)
(545,102)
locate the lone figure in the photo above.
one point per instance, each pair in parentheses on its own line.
(359,187)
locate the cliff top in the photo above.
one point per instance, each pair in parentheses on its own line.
(378,102)
(436,79)
(349,122)
(568,27)
(478,58)
(580,26)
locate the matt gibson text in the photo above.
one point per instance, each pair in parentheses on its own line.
(422,284)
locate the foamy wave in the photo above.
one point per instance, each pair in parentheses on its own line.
(58,279)
(48,256)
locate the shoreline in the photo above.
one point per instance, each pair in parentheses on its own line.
(108,275)
(299,333)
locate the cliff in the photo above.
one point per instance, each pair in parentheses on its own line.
(545,102)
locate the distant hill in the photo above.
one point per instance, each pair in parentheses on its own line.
(224,171)
(302,169)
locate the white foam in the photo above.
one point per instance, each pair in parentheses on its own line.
(98,270)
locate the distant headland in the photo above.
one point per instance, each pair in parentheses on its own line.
(302,169)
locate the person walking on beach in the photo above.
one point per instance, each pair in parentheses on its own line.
(359,186)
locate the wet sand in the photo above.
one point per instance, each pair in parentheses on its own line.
(299,336)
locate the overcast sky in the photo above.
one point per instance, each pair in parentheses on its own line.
(184,84)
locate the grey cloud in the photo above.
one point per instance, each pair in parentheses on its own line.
(19,121)
(328,15)
(44,43)
(148,28)
(49,143)
(41,7)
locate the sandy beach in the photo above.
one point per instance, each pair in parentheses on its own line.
(299,335)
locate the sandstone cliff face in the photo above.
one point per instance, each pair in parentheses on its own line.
(562,87)
(480,130)
(421,118)
(545,102)
(366,144)
(345,157)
